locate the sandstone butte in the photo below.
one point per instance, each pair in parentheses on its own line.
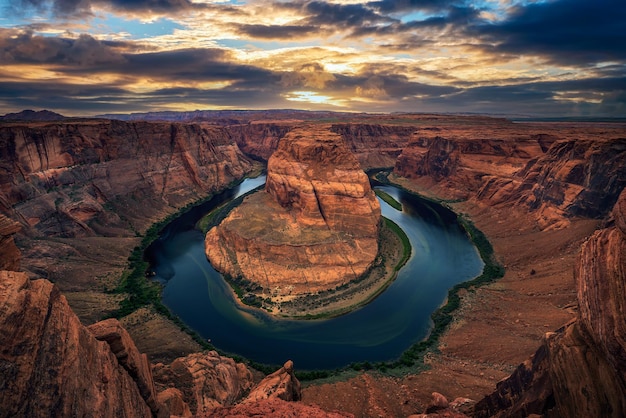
(315,226)
(75,194)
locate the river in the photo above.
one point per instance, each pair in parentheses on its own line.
(442,256)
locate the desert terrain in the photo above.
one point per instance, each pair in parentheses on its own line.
(78,196)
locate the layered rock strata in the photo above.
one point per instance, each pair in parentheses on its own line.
(315,227)
(9,253)
(85,191)
(579,370)
(553,171)
(52,365)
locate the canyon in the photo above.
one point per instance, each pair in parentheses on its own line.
(77,196)
(314,228)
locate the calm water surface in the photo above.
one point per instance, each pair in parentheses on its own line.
(442,257)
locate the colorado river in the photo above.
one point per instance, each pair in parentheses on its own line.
(442,256)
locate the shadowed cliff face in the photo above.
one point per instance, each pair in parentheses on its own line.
(109,178)
(580,370)
(9,254)
(84,192)
(314,228)
(374,145)
(556,175)
(52,365)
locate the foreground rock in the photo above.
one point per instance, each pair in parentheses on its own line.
(205,381)
(579,370)
(315,227)
(51,364)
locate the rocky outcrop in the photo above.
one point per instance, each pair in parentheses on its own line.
(134,362)
(9,253)
(375,145)
(281,384)
(85,191)
(259,139)
(205,380)
(51,364)
(276,408)
(554,172)
(109,178)
(54,366)
(579,370)
(314,228)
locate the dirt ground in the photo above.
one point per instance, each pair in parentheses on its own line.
(497,326)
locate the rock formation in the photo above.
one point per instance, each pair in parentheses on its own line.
(579,370)
(375,145)
(282,384)
(9,253)
(314,228)
(51,364)
(554,172)
(205,381)
(85,191)
(97,177)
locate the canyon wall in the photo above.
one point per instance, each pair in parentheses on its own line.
(107,178)
(554,172)
(579,370)
(52,365)
(85,191)
(374,145)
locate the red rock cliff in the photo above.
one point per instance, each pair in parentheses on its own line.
(314,228)
(97,177)
(51,364)
(553,171)
(580,370)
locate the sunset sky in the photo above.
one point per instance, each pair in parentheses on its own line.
(535,58)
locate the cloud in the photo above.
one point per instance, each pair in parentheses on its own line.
(83,51)
(390,6)
(578,32)
(65,8)
(277,31)
(311,75)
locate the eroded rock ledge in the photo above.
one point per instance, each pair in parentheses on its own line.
(315,227)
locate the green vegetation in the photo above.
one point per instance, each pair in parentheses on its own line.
(412,360)
(389,199)
(140,290)
(406,244)
(218,214)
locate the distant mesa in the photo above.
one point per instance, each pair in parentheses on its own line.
(32,115)
(315,226)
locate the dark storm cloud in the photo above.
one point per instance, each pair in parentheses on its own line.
(450,17)
(339,16)
(76,98)
(549,98)
(277,31)
(86,55)
(391,6)
(65,8)
(83,52)
(564,31)
(193,65)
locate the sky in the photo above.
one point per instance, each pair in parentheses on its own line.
(550,58)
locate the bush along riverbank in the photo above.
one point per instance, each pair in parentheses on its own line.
(412,360)
(135,281)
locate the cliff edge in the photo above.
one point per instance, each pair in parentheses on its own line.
(314,228)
